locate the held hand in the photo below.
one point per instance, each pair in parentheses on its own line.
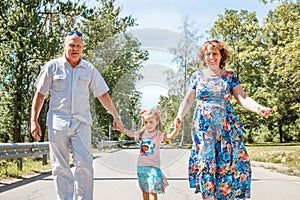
(36,131)
(177,123)
(118,124)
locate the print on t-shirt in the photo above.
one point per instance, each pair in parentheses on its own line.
(146,147)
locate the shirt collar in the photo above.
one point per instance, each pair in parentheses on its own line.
(80,64)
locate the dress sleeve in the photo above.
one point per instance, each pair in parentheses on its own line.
(193,80)
(233,80)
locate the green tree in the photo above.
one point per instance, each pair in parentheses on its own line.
(32,33)
(28,38)
(281,33)
(262,57)
(118,56)
(185,56)
(166,105)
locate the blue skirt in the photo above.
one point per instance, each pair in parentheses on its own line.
(151,179)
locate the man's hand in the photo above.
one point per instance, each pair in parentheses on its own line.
(118,124)
(36,131)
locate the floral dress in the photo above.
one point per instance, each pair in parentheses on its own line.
(219,166)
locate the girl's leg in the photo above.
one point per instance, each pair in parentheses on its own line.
(153,196)
(145,196)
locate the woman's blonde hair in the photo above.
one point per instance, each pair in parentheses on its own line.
(216,44)
(146,114)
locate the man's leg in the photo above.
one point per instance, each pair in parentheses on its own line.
(83,160)
(59,158)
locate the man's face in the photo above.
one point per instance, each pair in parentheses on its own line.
(73,47)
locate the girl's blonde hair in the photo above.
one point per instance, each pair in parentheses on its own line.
(146,114)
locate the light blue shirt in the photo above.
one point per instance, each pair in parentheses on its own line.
(69,91)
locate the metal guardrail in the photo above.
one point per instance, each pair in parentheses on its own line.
(20,150)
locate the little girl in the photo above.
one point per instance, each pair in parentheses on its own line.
(150,177)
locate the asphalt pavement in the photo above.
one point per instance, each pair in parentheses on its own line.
(115,178)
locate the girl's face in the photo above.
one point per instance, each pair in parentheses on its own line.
(212,57)
(150,124)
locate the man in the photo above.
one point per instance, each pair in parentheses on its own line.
(69,80)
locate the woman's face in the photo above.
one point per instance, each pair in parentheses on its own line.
(212,57)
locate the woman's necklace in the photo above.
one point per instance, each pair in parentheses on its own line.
(213,73)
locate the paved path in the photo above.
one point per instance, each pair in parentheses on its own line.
(115,178)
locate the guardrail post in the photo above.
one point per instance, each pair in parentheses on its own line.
(20,163)
(110,133)
(100,145)
(44,159)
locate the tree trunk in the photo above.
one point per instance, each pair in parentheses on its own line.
(43,119)
(17,118)
(280,133)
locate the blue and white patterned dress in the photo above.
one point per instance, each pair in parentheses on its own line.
(219,165)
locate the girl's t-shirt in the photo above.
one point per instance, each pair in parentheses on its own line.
(150,148)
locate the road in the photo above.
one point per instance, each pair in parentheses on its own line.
(115,178)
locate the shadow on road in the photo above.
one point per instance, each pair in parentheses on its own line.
(9,186)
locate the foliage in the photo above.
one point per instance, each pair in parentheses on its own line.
(264,58)
(281,32)
(118,57)
(186,59)
(32,33)
(9,168)
(28,38)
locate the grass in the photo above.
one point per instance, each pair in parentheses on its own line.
(284,157)
(9,169)
(31,166)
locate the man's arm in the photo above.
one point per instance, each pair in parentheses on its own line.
(37,104)
(107,103)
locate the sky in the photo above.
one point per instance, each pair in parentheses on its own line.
(159,22)
(168,14)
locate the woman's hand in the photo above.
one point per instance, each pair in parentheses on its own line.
(264,111)
(177,122)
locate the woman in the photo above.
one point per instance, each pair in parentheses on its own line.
(219,166)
